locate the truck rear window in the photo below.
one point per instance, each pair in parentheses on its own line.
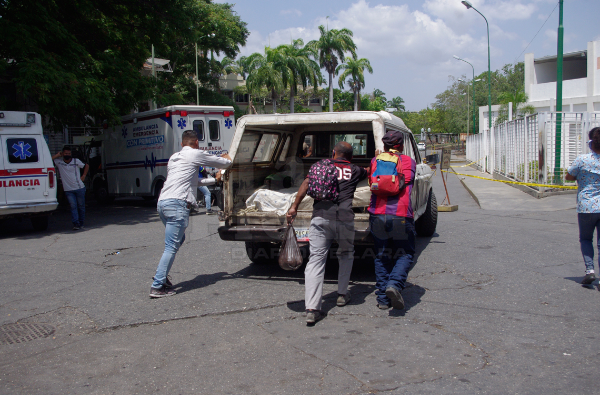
(22,150)
(256,147)
(321,145)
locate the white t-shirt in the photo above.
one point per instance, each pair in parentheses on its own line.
(182,173)
(69,173)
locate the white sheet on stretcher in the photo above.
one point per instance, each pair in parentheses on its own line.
(280,201)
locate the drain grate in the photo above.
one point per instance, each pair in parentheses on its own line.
(25,332)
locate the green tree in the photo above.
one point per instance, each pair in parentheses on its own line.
(304,70)
(331,47)
(269,70)
(379,93)
(397,103)
(518,99)
(354,71)
(80,63)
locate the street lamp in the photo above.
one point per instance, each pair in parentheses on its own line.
(473,68)
(469,5)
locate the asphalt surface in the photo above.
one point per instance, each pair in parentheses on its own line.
(494,306)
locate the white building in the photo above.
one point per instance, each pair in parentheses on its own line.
(581,83)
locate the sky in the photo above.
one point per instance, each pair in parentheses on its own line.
(411,44)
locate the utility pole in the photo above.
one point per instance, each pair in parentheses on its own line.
(559,81)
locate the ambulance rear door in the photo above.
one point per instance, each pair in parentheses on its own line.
(25,176)
(3,176)
(220,128)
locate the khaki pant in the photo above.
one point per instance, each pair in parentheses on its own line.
(321,234)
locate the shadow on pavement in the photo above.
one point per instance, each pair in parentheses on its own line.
(126,211)
(412,295)
(201,281)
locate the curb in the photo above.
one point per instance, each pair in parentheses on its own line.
(468,190)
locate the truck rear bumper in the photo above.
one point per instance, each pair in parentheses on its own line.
(13,210)
(275,234)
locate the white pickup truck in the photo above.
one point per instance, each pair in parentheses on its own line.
(271,157)
(27,174)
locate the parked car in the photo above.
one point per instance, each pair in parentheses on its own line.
(271,157)
(27,173)
(421,146)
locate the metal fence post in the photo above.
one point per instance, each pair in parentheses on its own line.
(542,173)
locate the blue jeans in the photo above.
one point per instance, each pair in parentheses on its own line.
(76,200)
(394,247)
(587,224)
(206,194)
(174,214)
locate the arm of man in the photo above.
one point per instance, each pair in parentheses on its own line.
(86,168)
(291,214)
(202,158)
(409,167)
(57,155)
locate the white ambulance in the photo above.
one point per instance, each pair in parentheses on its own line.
(136,153)
(27,174)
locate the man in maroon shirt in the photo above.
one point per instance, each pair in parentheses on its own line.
(331,220)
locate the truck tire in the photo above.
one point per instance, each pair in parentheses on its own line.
(426,224)
(40,223)
(157,188)
(263,252)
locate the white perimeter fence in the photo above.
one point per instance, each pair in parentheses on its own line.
(525,149)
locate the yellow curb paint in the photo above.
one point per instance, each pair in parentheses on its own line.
(514,182)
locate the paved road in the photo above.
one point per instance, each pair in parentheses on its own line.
(493,306)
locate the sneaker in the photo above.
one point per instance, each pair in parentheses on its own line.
(75,227)
(395,297)
(314,316)
(343,300)
(168,284)
(161,292)
(81,227)
(383,306)
(588,279)
(211,212)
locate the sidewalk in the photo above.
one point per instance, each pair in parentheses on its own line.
(492,195)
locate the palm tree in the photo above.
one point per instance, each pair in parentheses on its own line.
(331,47)
(269,70)
(354,70)
(304,70)
(518,99)
(239,67)
(397,103)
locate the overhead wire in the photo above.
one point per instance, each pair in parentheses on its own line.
(538,32)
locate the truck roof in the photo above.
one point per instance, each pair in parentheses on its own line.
(324,117)
(177,108)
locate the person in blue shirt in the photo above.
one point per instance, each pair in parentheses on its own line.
(586,170)
(204,190)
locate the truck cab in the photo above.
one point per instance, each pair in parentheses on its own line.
(271,157)
(27,174)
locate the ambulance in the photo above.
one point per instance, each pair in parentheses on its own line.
(27,173)
(136,153)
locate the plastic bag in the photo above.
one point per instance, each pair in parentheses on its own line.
(290,257)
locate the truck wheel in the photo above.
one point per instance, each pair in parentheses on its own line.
(262,253)
(426,224)
(40,223)
(157,188)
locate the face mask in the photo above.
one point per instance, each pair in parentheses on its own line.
(67,157)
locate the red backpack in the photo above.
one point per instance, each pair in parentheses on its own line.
(386,177)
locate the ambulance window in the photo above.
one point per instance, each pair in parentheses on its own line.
(22,150)
(199,129)
(213,130)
